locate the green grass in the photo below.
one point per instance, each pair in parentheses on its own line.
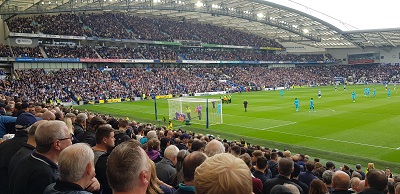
(340,130)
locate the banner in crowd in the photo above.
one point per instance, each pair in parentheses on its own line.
(99,60)
(136,61)
(88,60)
(114,100)
(199,61)
(167,61)
(164,96)
(47,59)
(270,48)
(14,34)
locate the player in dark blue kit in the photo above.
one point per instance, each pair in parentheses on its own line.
(245,105)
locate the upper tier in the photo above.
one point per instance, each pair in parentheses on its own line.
(124,26)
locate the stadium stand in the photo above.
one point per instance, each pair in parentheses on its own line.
(123,26)
(36,90)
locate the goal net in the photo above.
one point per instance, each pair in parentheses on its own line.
(197,110)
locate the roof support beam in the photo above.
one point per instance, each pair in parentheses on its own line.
(187,8)
(386,39)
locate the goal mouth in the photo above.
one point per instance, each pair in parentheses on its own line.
(196,110)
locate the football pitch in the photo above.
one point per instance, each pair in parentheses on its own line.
(339,130)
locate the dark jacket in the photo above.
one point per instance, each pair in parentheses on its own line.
(101,173)
(79,132)
(23,152)
(306,177)
(7,150)
(33,174)
(61,187)
(280,180)
(90,137)
(166,171)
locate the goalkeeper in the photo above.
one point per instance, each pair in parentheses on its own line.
(188,113)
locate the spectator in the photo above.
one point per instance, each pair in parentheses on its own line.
(79,126)
(260,168)
(5,121)
(307,176)
(257,183)
(317,187)
(285,168)
(184,142)
(166,167)
(375,182)
(341,183)
(179,167)
(104,141)
(295,178)
(90,133)
(153,147)
(327,178)
(76,165)
(48,116)
(26,149)
(232,175)
(190,163)
(39,170)
(197,145)
(9,147)
(214,147)
(358,169)
(128,169)
(330,166)
(354,182)
(121,134)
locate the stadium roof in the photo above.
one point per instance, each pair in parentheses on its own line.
(260,17)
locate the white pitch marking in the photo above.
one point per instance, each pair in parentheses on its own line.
(308,136)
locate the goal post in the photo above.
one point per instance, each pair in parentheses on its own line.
(196,110)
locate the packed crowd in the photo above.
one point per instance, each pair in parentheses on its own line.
(124,26)
(65,85)
(5,50)
(21,52)
(93,84)
(153,52)
(60,24)
(96,153)
(63,51)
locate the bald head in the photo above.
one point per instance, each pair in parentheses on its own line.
(48,115)
(32,129)
(340,180)
(361,185)
(397,188)
(354,182)
(214,147)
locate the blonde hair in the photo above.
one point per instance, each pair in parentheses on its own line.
(370,166)
(223,173)
(68,121)
(153,187)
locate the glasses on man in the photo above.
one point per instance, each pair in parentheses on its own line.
(70,137)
